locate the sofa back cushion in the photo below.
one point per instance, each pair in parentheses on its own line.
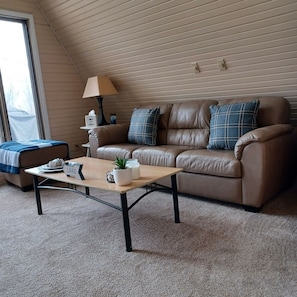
(189,123)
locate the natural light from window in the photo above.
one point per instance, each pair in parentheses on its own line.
(16,80)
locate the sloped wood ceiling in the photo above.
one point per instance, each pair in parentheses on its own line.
(148,47)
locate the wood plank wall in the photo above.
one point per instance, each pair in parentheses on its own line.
(62,84)
(148,47)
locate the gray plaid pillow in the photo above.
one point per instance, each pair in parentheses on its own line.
(229,122)
(143,126)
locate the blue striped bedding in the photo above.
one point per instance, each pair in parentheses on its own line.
(10,152)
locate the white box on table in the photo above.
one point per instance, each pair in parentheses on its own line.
(91,121)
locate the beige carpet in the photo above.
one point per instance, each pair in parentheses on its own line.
(77,247)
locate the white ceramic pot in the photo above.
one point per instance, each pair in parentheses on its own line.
(122,177)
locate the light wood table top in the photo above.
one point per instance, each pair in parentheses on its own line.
(94,171)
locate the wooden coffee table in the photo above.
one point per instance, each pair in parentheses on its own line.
(94,171)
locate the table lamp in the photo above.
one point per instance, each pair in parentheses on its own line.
(99,86)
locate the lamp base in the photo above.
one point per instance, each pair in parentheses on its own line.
(101,119)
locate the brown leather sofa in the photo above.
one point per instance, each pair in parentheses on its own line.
(260,166)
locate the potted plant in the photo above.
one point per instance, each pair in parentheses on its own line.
(121,173)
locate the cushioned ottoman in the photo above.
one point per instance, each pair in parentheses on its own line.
(32,156)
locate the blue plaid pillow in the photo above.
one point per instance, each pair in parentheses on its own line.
(229,122)
(143,126)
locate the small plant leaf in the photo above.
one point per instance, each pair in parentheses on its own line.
(120,163)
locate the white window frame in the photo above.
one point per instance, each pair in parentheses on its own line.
(36,64)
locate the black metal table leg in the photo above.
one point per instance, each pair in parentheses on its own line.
(37,194)
(175,198)
(126,222)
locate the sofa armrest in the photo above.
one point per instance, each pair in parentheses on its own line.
(262,134)
(109,134)
(267,156)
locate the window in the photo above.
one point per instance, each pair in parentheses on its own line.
(23,111)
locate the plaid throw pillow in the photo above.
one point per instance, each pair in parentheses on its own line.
(143,126)
(229,122)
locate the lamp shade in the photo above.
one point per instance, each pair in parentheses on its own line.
(99,86)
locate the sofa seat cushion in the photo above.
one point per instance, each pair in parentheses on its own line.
(110,152)
(210,162)
(163,155)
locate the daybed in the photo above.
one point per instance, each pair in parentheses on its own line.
(250,171)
